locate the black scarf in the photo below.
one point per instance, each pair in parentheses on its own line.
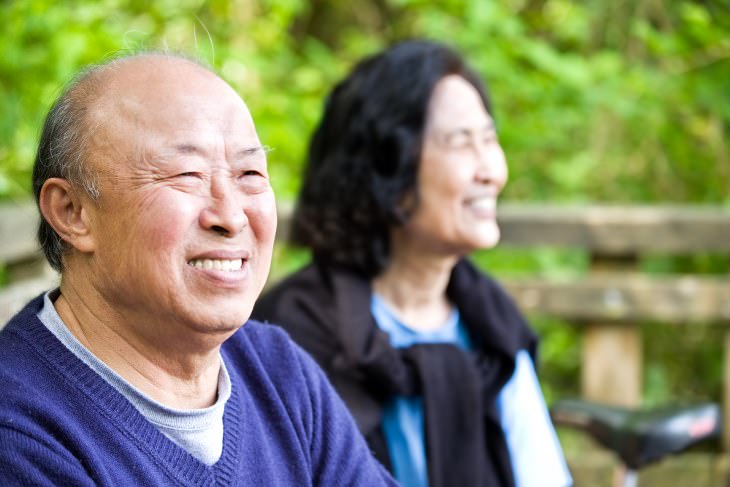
(327,311)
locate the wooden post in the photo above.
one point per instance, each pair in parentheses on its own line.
(612,365)
(612,353)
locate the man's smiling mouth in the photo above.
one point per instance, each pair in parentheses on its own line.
(217,264)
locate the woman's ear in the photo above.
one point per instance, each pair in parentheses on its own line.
(65,208)
(407,205)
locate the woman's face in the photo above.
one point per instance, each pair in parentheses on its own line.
(461,172)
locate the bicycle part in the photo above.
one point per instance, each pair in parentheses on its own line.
(640,437)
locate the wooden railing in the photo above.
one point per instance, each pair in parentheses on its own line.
(608,301)
(27,272)
(614,296)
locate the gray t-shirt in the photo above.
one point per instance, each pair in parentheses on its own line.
(198,431)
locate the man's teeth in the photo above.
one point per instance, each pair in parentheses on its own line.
(217,264)
(483,203)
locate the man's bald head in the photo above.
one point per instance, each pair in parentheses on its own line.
(82,110)
(179,236)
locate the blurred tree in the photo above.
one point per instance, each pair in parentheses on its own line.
(607,101)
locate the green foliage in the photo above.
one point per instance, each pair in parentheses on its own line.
(595,101)
(627,103)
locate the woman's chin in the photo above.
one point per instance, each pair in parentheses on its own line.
(486,237)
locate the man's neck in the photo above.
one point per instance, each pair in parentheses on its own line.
(176,380)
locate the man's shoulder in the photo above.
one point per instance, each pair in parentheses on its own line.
(38,374)
(268,354)
(18,337)
(27,313)
(272,371)
(35,393)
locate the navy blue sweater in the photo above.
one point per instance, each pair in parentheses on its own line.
(62,424)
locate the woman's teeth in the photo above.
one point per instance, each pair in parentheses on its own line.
(483,203)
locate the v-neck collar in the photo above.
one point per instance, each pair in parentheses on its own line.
(180,465)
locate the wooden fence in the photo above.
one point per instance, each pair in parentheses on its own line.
(608,301)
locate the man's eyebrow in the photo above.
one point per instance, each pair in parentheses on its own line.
(247,151)
(250,151)
(490,125)
(187,149)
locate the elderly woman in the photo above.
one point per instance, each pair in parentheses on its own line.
(430,355)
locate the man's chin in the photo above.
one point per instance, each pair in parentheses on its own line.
(227,324)
(233,306)
(218,322)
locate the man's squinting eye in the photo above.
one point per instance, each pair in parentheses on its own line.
(490,136)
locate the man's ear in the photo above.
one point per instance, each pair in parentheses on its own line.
(66,210)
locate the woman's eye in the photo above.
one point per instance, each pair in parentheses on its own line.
(458,141)
(191,174)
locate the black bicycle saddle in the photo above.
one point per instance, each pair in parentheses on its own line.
(640,437)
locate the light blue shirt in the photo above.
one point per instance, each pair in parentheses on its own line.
(537,459)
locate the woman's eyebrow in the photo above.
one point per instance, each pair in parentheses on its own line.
(489,125)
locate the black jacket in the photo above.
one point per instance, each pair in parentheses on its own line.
(327,311)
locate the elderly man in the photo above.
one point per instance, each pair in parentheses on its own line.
(157,211)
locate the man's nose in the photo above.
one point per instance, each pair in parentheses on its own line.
(224,213)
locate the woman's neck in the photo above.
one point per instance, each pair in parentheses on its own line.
(414,288)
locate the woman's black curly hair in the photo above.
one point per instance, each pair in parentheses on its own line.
(364,155)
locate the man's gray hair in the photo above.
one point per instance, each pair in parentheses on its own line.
(64,143)
(61,152)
